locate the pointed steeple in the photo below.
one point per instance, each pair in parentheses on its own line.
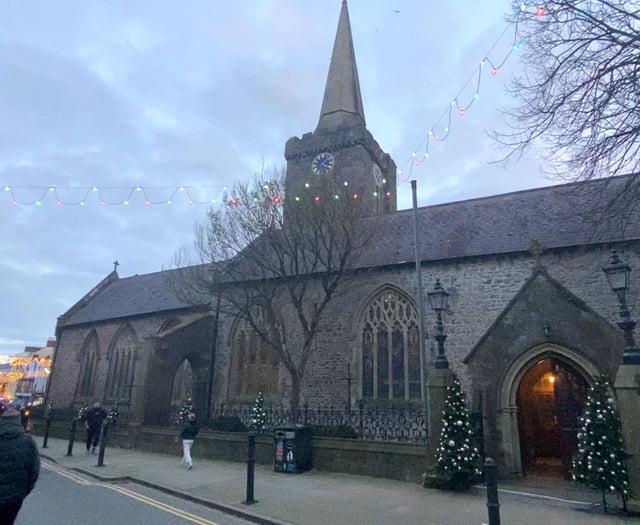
(342,103)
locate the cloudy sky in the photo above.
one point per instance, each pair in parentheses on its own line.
(156,94)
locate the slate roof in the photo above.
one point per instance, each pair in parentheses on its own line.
(128,297)
(553,217)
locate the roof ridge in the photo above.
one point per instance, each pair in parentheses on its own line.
(580,184)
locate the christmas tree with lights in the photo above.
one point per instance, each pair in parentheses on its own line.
(457,460)
(82,411)
(258,421)
(601,459)
(185,409)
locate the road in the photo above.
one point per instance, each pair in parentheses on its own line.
(64,497)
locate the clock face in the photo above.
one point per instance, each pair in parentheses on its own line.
(323,163)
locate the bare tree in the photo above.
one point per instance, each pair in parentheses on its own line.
(579,94)
(277,264)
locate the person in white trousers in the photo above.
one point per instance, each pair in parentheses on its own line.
(188,435)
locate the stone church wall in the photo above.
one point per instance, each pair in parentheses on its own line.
(480,290)
(66,368)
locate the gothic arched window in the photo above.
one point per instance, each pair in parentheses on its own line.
(88,365)
(390,348)
(121,357)
(182,383)
(255,364)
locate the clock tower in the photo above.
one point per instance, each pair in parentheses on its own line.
(341,151)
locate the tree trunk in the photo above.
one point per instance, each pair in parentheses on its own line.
(294,401)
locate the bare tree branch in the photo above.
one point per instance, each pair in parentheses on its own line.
(270,260)
(579,94)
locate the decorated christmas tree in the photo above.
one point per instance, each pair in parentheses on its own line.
(82,411)
(113,414)
(601,459)
(48,412)
(457,460)
(258,421)
(185,409)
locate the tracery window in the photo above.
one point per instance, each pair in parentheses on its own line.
(121,359)
(255,364)
(88,366)
(390,348)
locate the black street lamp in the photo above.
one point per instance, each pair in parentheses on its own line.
(439,299)
(618,276)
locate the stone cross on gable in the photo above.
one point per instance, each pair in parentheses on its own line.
(115,265)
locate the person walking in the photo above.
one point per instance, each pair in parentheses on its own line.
(25,412)
(19,464)
(93,423)
(188,435)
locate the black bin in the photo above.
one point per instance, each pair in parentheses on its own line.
(292,449)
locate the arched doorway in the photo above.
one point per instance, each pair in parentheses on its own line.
(550,397)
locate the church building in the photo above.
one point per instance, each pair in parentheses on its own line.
(530,323)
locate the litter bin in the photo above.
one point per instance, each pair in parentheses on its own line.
(292,449)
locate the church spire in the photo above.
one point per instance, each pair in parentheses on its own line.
(342,103)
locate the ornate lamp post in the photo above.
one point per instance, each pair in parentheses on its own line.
(618,276)
(439,299)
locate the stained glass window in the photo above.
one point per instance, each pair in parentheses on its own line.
(390,348)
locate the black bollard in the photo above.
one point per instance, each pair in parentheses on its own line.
(103,443)
(251,463)
(72,436)
(491,479)
(47,424)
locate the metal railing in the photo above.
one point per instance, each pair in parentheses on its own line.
(394,423)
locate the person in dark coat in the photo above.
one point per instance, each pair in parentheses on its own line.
(25,412)
(19,464)
(93,423)
(188,435)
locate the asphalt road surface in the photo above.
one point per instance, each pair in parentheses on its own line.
(65,497)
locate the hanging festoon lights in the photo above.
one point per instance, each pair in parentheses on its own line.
(18,196)
(496,57)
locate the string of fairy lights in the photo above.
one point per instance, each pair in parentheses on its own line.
(126,196)
(440,130)
(192,195)
(112,195)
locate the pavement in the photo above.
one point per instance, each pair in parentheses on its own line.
(324,498)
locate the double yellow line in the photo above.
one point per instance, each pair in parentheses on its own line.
(76,478)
